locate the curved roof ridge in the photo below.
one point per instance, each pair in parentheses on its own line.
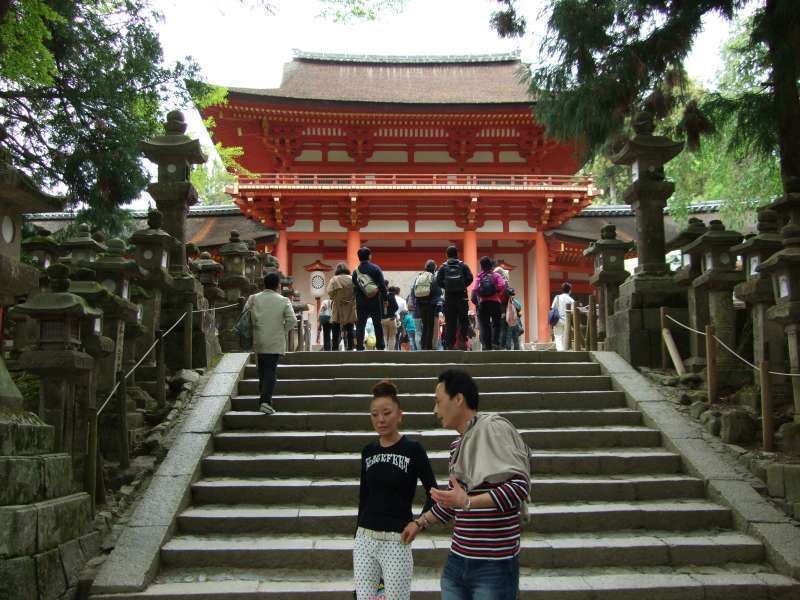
(406,58)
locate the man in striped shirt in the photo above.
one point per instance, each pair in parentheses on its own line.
(489,486)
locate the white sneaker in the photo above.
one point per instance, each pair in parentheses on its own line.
(266,408)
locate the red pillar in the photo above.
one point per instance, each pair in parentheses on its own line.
(282,252)
(353,244)
(471,249)
(527,309)
(542,289)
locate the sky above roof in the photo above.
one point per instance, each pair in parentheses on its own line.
(240,44)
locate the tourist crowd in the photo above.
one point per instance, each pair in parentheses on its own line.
(446,308)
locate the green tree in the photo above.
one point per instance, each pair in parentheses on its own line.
(603,59)
(81,84)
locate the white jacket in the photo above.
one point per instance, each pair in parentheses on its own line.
(272,316)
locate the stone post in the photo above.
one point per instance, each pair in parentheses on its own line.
(697,298)
(209,272)
(253,269)
(175,153)
(784,270)
(717,279)
(634,329)
(235,284)
(756,291)
(609,271)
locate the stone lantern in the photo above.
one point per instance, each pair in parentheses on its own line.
(209,272)
(174,153)
(784,270)
(43,249)
(717,279)
(64,319)
(697,298)
(756,291)
(116,272)
(192,255)
(152,254)
(634,330)
(235,284)
(609,269)
(82,248)
(253,268)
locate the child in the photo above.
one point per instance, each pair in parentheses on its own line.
(410,329)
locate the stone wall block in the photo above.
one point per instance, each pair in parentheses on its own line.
(72,559)
(18,579)
(50,575)
(25,439)
(90,544)
(57,475)
(20,480)
(791,481)
(61,520)
(775,483)
(18,527)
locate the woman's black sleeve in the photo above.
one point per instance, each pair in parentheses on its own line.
(425,472)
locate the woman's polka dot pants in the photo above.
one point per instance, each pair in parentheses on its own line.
(373,559)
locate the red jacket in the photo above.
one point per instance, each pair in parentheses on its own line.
(499,284)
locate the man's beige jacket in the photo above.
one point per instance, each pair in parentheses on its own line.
(272,316)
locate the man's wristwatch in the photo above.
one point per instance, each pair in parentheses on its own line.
(466,506)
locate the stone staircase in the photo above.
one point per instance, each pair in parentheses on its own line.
(612,513)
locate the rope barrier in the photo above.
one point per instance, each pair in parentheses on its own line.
(199,310)
(724,345)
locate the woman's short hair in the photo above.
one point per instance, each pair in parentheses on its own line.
(430,265)
(486,263)
(566,288)
(341,269)
(385,389)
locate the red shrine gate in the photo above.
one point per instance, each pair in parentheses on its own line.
(408,155)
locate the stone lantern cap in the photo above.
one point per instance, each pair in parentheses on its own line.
(114,260)
(693,230)
(153,234)
(83,240)
(790,255)
(59,301)
(652,151)
(235,246)
(608,241)
(716,237)
(206,264)
(84,283)
(174,144)
(767,238)
(40,241)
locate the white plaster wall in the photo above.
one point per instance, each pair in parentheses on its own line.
(429,226)
(309,156)
(331,226)
(302,225)
(388,156)
(433,156)
(492,226)
(520,226)
(389,226)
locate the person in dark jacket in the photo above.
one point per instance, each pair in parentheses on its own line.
(426,305)
(454,278)
(367,307)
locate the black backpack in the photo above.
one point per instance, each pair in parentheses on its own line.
(391,305)
(454,277)
(486,286)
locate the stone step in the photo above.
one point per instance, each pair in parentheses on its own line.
(402,370)
(352,421)
(587,462)
(753,582)
(325,492)
(363,385)
(422,402)
(623,549)
(430,357)
(437,439)
(673,515)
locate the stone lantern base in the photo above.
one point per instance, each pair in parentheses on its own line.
(205,343)
(634,330)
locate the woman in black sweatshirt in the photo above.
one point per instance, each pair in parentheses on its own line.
(390,468)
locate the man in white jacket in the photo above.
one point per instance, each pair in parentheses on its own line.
(272,316)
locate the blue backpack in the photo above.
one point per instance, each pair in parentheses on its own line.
(553,317)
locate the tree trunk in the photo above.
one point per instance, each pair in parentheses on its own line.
(782,35)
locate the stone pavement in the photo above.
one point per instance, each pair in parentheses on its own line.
(627,501)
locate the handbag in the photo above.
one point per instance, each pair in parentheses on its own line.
(244,327)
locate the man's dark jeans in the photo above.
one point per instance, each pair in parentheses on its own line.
(489,313)
(476,579)
(364,312)
(267,367)
(455,317)
(427,314)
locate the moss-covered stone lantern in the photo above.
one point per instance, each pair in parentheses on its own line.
(115,272)
(236,285)
(41,247)
(151,249)
(209,272)
(609,270)
(82,248)
(717,279)
(784,270)
(253,268)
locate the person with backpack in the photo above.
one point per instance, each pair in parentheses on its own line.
(370,291)
(454,277)
(505,331)
(427,294)
(324,324)
(343,312)
(558,316)
(513,319)
(488,294)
